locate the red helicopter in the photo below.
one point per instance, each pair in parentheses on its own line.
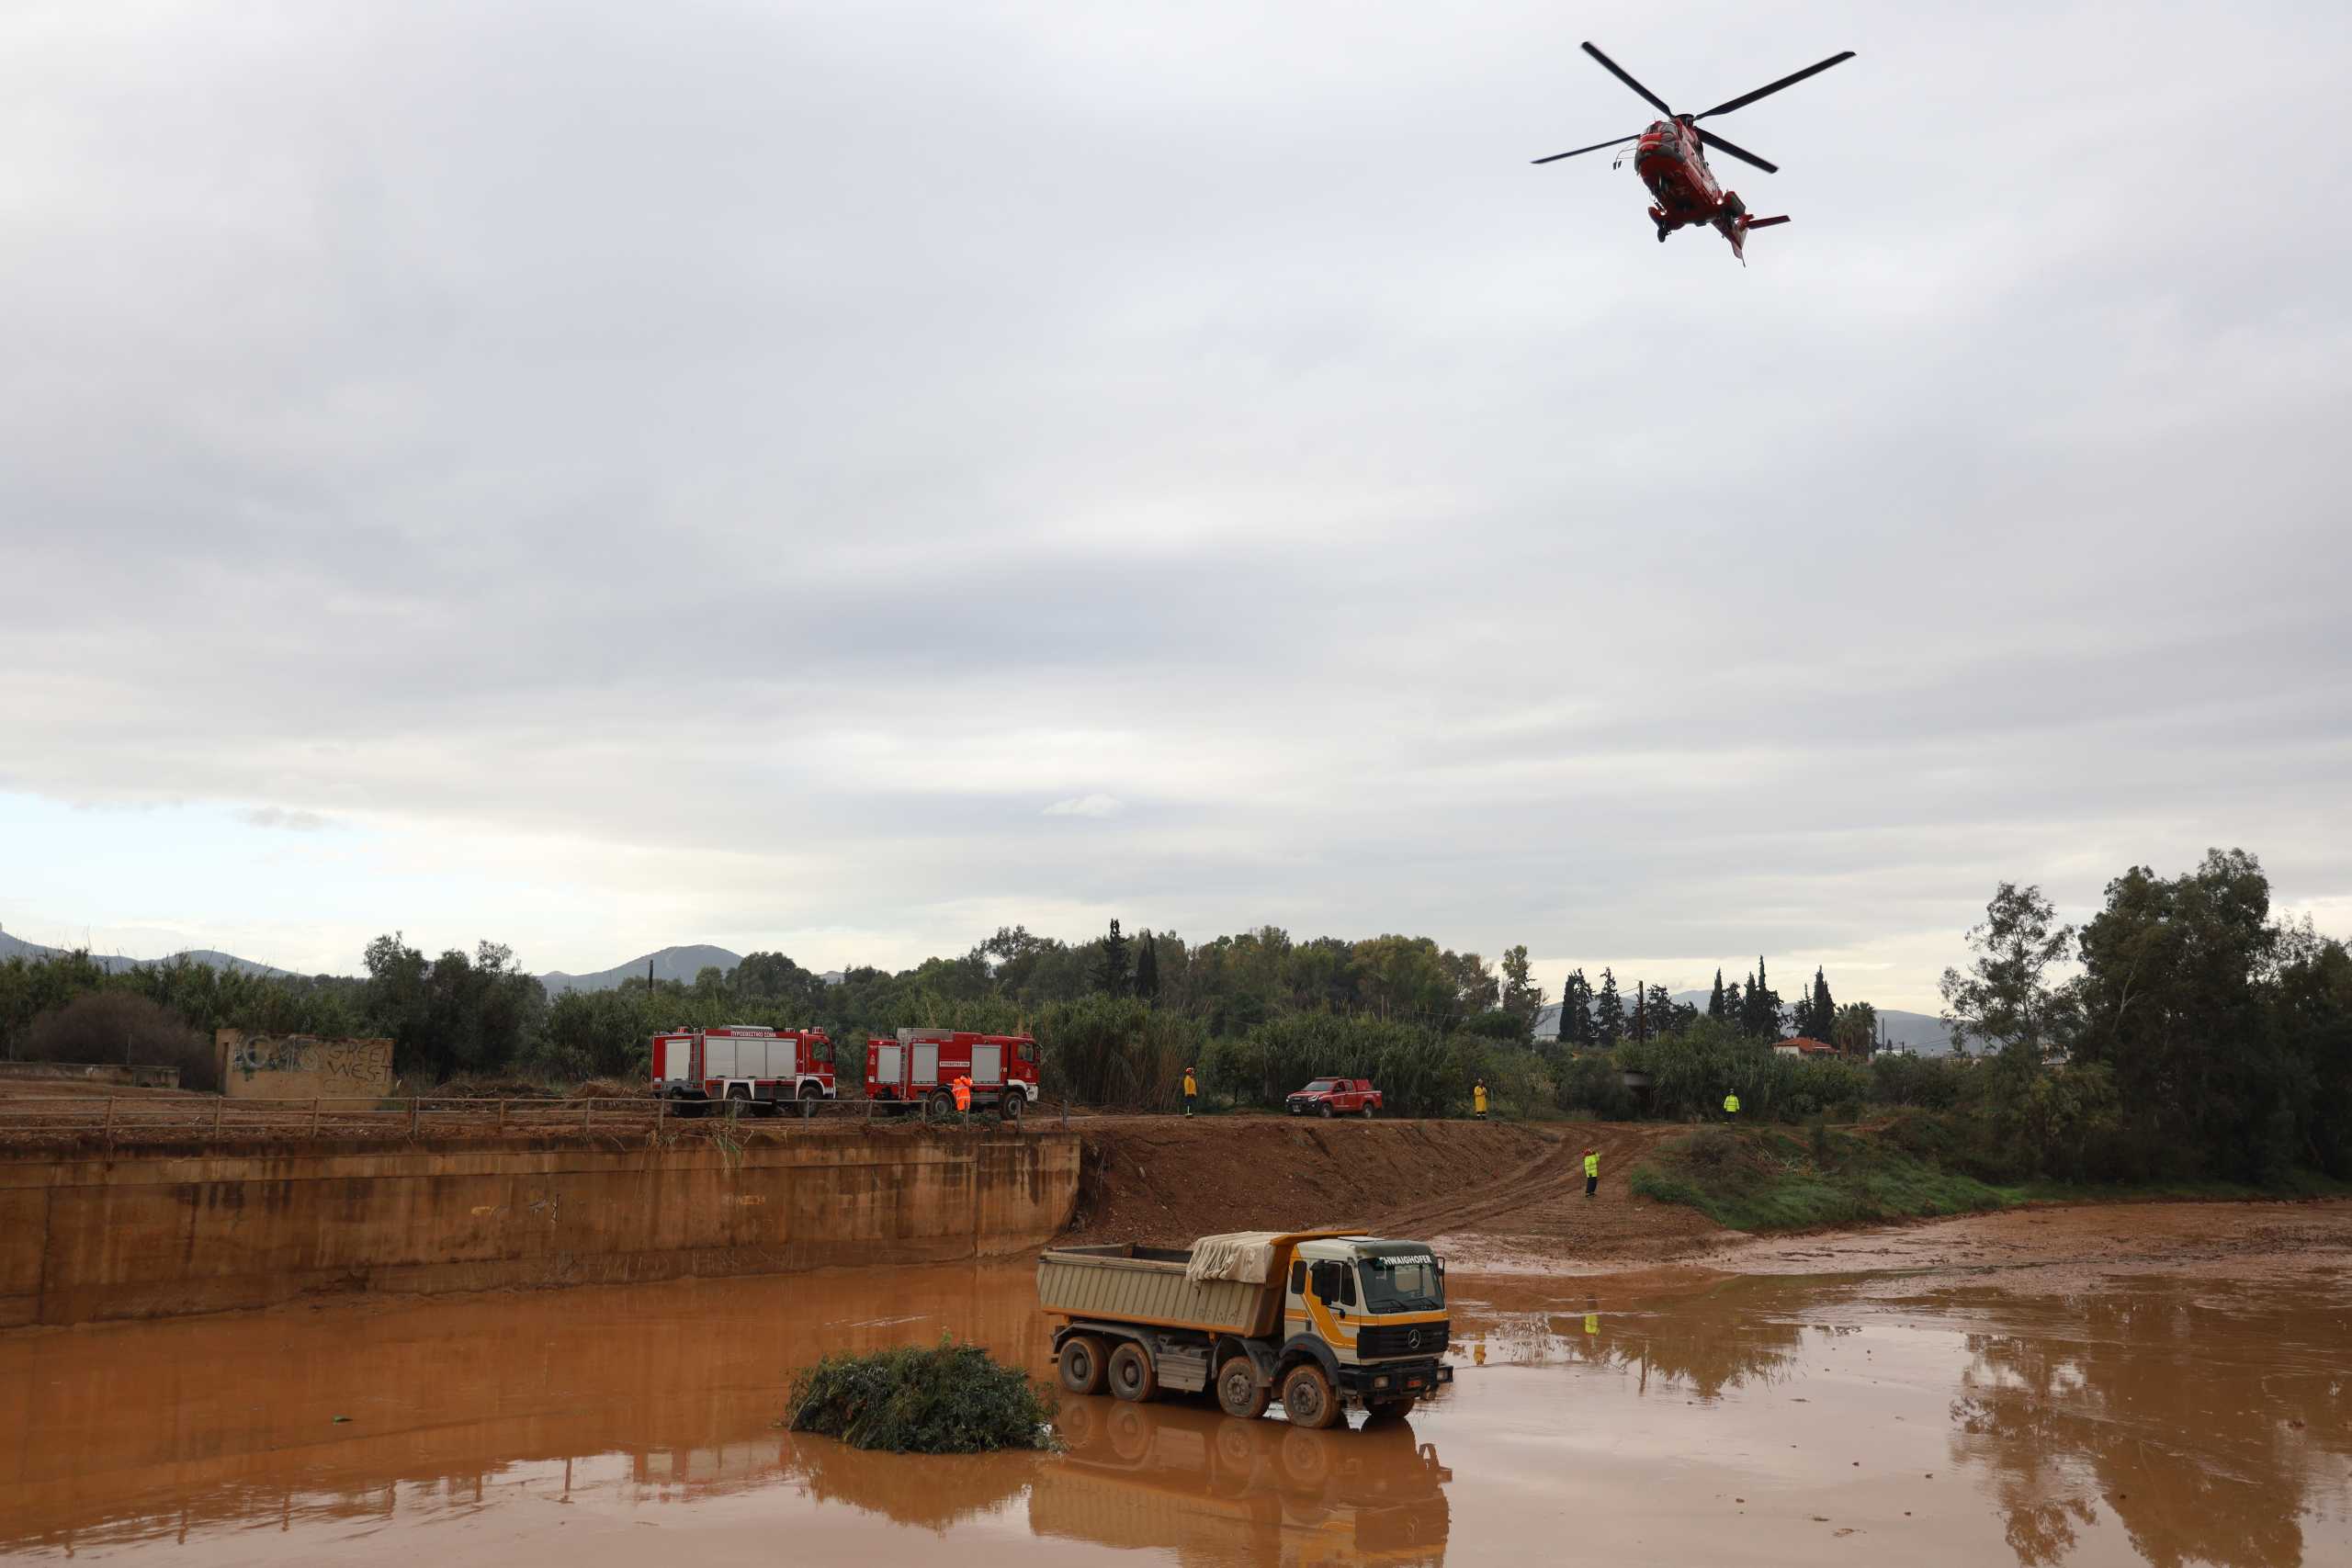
(1671,158)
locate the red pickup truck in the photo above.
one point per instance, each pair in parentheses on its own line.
(1335,1097)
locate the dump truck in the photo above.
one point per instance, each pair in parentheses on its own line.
(1321,1320)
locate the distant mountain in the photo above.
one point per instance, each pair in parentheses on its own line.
(1923,1034)
(680,963)
(16,947)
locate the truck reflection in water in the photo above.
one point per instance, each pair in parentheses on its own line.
(1220,1489)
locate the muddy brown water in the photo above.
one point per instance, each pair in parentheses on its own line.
(1959,1414)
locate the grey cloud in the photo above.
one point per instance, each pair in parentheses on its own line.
(278,817)
(821,447)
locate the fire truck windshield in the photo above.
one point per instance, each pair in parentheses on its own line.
(1026,1051)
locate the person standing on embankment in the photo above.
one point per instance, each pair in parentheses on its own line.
(1478,1100)
(1731,1106)
(1591,1170)
(1191,1091)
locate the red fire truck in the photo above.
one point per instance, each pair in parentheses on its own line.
(769,1067)
(917,1069)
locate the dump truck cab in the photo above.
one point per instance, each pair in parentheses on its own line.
(1320,1320)
(1378,1306)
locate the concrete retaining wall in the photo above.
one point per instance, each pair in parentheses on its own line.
(158,1235)
(301,1066)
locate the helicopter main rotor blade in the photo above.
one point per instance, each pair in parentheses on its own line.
(1742,153)
(1619,72)
(1747,98)
(1594,148)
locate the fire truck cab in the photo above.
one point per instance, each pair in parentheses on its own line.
(767,1068)
(918,1068)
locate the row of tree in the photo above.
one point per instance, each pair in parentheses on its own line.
(1591,1016)
(2181,1030)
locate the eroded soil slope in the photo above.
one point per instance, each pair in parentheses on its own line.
(1498,1193)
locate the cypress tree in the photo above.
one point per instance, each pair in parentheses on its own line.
(1641,1012)
(1147,967)
(1760,1014)
(1576,1009)
(1110,975)
(1825,1011)
(1715,1003)
(1608,1012)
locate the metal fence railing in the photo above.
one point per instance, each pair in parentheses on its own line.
(113,1119)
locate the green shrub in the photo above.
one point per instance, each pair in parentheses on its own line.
(1118,1051)
(947,1399)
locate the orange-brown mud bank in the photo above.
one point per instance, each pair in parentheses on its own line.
(2130,1410)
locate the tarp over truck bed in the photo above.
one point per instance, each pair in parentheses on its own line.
(1158,1285)
(1246,1256)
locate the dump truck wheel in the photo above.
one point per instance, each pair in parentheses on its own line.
(1390,1409)
(1237,1390)
(1131,1378)
(1082,1360)
(1308,1399)
(1306,1459)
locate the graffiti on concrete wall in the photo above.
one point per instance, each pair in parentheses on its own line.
(302,1065)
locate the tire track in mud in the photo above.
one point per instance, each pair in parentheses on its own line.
(1516,1187)
(1539,1208)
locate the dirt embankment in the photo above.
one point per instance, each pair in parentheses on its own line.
(1495,1192)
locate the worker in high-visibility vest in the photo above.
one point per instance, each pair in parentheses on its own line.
(1591,1172)
(963,1087)
(1478,1100)
(1191,1091)
(1731,1105)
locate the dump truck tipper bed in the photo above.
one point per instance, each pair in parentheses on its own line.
(1326,1319)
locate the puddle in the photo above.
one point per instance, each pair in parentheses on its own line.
(2127,1418)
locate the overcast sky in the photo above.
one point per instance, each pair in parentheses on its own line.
(840,479)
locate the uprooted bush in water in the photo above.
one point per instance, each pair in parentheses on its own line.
(945,1399)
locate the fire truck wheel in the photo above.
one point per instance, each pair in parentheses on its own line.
(1009,1107)
(1237,1390)
(1083,1364)
(1328,1111)
(941,1106)
(1308,1399)
(1131,1378)
(1367,1110)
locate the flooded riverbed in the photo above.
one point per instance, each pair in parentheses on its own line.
(2140,1416)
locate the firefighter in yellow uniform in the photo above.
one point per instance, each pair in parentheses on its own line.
(1479,1099)
(1191,1091)
(1591,1172)
(1731,1105)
